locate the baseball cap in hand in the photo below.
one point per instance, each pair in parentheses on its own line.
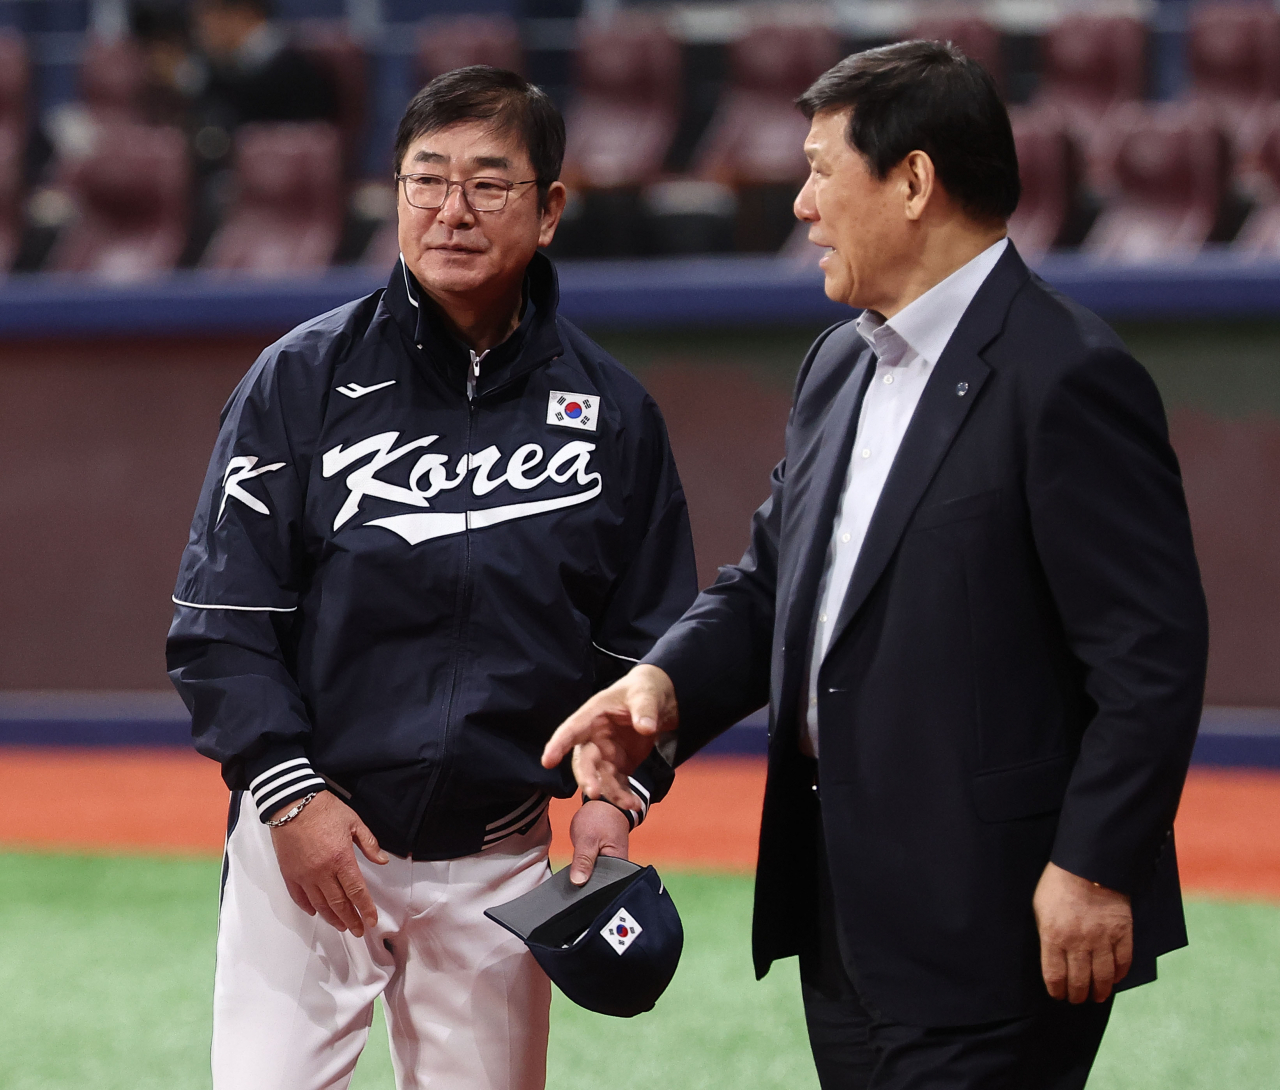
(611,945)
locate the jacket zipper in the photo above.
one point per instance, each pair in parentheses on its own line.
(462,610)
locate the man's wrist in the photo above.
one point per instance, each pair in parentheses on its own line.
(634,817)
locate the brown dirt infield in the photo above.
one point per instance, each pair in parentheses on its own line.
(172,801)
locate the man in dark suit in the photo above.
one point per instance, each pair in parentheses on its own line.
(972,604)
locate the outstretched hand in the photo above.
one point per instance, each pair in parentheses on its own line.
(613,732)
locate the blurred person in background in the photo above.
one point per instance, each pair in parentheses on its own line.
(175,72)
(435,520)
(253,73)
(973,606)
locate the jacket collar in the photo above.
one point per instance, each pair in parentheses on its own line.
(535,341)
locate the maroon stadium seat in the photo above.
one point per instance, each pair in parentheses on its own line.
(1091,65)
(972,35)
(287,213)
(626,106)
(756,134)
(15,78)
(132,197)
(15,81)
(113,77)
(10,196)
(1233,52)
(1259,237)
(343,59)
(755,140)
(1170,167)
(1048,163)
(449,43)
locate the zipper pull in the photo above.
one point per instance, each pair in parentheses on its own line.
(473,375)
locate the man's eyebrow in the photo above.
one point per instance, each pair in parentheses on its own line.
(430,157)
(493,162)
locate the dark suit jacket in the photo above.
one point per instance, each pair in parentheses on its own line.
(1016,674)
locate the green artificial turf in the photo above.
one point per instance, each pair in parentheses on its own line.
(106,963)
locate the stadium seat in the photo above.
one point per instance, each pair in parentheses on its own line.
(132,199)
(343,59)
(10,196)
(621,122)
(448,43)
(754,142)
(286,217)
(113,77)
(1233,53)
(1259,237)
(1170,168)
(15,81)
(973,36)
(626,103)
(15,78)
(1049,165)
(1091,65)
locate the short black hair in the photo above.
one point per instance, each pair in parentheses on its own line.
(508,101)
(930,97)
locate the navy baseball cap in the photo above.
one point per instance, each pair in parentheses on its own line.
(611,945)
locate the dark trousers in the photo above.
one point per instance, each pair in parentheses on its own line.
(855,1048)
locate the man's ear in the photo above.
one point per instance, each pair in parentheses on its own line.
(920,179)
(552,210)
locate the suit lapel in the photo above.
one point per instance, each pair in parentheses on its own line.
(814,484)
(949,396)
(812,504)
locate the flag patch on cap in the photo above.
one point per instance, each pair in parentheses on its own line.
(621,931)
(570,410)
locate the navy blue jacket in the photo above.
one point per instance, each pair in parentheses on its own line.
(397,590)
(1015,675)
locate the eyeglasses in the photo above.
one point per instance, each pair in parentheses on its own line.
(430,191)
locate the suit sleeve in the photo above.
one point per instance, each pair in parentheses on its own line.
(239,585)
(1113,535)
(659,583)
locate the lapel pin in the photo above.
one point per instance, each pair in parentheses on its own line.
(962,388)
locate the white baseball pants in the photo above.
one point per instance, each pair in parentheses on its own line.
(467,1006)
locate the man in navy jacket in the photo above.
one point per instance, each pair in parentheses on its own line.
(435,521)
(972,605)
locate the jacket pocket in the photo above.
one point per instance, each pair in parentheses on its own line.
(964,507)
(1022,791)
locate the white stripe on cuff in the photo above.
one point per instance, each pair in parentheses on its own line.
(290,778)
(271,773)
(264,807)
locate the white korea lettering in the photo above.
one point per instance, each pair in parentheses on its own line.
(571,462)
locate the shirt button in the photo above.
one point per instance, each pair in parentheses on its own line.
(813,701)
(888,379)
(844,538)
(866,453)
(822,617)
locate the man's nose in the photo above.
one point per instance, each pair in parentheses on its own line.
(804,208)
(455,211)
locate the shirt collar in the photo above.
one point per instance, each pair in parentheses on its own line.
(926,324)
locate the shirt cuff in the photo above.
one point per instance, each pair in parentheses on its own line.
(282,784)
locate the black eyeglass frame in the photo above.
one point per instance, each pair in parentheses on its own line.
(508,186)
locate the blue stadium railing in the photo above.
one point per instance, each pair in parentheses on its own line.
(670,293)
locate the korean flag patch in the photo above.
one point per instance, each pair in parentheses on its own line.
(573,410)
(621,931)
